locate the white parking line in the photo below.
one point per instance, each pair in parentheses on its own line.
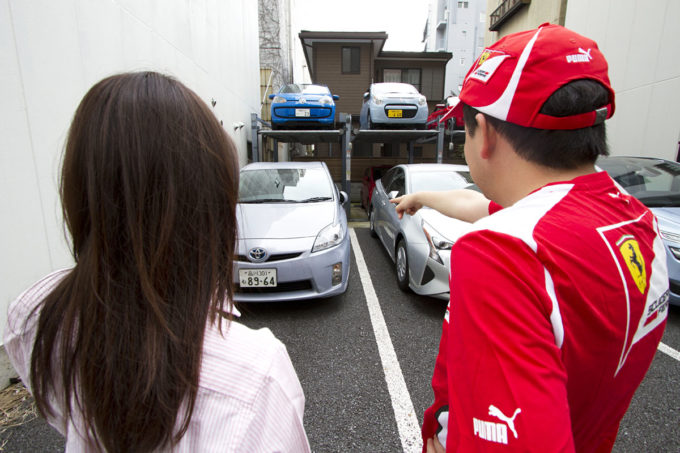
(407,422)
(670,351)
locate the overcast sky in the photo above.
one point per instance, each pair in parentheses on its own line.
(403,20)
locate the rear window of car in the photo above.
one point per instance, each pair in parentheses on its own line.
(441,180)
(284,185)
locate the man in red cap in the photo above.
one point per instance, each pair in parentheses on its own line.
(559,292)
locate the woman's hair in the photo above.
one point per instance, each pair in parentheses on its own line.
(148,188)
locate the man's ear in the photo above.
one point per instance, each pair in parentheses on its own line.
(489,136)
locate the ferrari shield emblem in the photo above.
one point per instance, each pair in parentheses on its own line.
(630,251)
(483,58)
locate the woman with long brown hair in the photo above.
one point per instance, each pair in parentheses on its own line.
(135,349)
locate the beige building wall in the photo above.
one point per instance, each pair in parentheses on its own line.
(641,41)
(528,17)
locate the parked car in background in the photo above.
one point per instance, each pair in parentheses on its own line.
(292,237)
(656,183)
(393,105)
(450,113)
(420,245)
(303,106)
(371,175)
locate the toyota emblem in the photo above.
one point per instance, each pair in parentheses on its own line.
(257,254)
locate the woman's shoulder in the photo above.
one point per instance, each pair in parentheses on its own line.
(236,354)
(24,306)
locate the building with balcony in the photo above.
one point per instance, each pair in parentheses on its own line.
(458,27)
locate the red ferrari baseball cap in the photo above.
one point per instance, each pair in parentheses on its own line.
(512,79)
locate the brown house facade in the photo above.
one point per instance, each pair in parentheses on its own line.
(348,62)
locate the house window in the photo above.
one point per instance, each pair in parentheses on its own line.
(463,4)
(351,60)
(411,75)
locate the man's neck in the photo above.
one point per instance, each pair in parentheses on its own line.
(530,177)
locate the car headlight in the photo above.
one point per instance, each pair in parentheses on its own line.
(377,100)
(326,100)
(422,100)
(435,241)
(278,100)
(675,251)
(329,237)
(669,236)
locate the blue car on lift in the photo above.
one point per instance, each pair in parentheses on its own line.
(303,106)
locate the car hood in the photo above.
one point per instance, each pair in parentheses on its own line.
(669,219)
(283,220)
(448,227)
(400,97)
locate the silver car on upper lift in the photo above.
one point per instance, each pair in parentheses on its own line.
(293,241)
(420,245)
(393,105)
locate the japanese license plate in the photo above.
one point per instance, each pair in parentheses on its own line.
(395,113)
(302,112)
(257,278)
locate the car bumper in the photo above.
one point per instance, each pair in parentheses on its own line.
(306,276)
(302,114)
(429,277)
(379,114)
(673,265)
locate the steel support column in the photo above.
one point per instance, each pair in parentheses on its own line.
(254,128)
(347,162)
(440,143)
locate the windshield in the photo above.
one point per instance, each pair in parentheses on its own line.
(439,180)
(656,183)
(307,89)
(394,88)
(284,185)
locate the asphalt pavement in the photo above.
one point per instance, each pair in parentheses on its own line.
(348,405)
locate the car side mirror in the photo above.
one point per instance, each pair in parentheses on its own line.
(343,197)
(336,97)
(366,95)
(271,96)
(393,194)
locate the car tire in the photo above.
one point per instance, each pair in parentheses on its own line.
(401,265)
(371,223)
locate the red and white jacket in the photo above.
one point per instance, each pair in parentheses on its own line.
(557,306)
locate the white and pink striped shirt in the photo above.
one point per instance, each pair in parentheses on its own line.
(249,396)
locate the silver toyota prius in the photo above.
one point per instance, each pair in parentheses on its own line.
(420,245)
(293,242)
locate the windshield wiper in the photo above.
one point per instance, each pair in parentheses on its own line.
(314,199)
(653,199)
(264,200)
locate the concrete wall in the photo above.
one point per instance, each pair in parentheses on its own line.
(641,41)
(52,52)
